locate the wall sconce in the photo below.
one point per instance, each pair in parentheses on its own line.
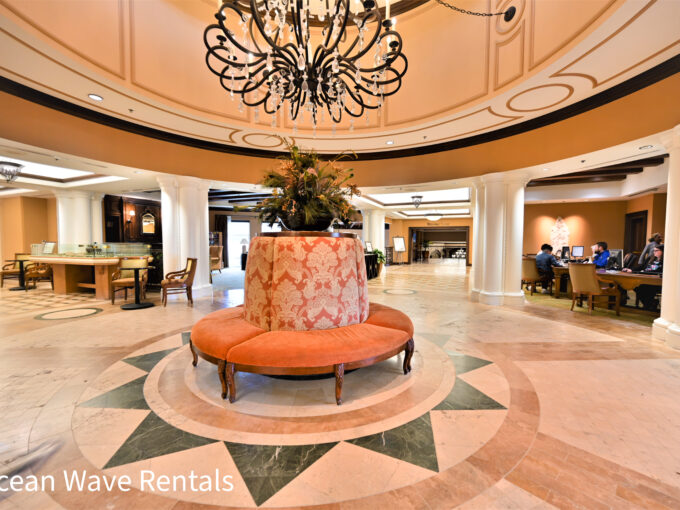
(131,214)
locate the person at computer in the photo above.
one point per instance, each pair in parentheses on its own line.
(600,255)
(654,265)
(648,252)
(545,261)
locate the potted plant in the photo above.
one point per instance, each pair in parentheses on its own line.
(381,259)
(308,194)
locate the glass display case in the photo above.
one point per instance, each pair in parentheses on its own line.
(104,250)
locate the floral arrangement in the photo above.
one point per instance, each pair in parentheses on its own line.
(308,194)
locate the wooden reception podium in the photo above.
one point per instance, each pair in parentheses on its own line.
(73,274)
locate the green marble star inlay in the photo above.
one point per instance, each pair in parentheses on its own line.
(465,363)
(128,396)
(466,397)
(267,469)
(153,438)
(147,361)
(412,442)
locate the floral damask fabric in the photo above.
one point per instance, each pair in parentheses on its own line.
(258,282)
(305,283)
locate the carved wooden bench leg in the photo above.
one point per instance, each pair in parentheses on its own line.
(230,369)
(339,378)
(193,353)
(408,354)
(220,371)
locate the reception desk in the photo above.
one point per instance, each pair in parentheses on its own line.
(73,274)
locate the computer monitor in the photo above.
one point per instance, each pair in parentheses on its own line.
(577,251)
(615,260)
(564,254)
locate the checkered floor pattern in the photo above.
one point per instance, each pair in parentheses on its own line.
(17,302)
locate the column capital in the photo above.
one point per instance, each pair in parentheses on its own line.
(671,138)
(194,182)
(97,196)
(167,181)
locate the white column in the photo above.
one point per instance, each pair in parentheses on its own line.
(366,218)
(170,223)
(97,218)
(74,217)
(378,230)
(494,245)
(667,326)
(476,275)
(193,226)
(514,240)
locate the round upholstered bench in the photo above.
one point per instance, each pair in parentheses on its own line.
(306,312)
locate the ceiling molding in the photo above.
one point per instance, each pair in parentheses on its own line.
(664,70)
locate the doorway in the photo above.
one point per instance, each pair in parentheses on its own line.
(238,236)
(635,234)
(437,243)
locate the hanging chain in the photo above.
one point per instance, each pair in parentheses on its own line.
(465,11)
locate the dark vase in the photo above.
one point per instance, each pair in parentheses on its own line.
(297,223)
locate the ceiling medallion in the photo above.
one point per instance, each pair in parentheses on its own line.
(266,53)
(10,171)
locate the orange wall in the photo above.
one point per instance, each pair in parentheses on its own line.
(23,221)
(52,234)
(643,203)
(588,222)
(11,227)
(659,213)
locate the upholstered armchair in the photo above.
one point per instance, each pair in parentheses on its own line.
(585,282)
(531,276)
(10,270)
(124,277)
(38,272)
(216,258)
(179,282)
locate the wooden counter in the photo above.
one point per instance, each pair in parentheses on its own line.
(73,274)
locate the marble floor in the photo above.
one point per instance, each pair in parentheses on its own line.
(516,407)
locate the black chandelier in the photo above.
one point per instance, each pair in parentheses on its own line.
(265,52)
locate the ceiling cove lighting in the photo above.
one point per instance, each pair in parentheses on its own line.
(10,171)
(265,52)
(95,97)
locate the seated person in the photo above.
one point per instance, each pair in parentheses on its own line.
(545,261)
(648,252)
(600,255)
(647,293)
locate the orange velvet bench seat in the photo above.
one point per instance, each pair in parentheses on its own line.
(226,339)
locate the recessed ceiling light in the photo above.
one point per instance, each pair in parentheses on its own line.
(546,169)
(645,147)
(390,142)
(136,171)
(95,97)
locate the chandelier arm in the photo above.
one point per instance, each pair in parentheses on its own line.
(255,15)
(221,18)
(343,27)
(376,14)
(370,44)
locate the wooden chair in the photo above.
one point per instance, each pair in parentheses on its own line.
(10,270)
(216,258)
(179,282)
(585,282)
(531,276)
(38,272)
(124,277)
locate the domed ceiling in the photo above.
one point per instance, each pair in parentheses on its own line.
(467,75)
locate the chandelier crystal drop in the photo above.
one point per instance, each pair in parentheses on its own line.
(10,171)
(336,56)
